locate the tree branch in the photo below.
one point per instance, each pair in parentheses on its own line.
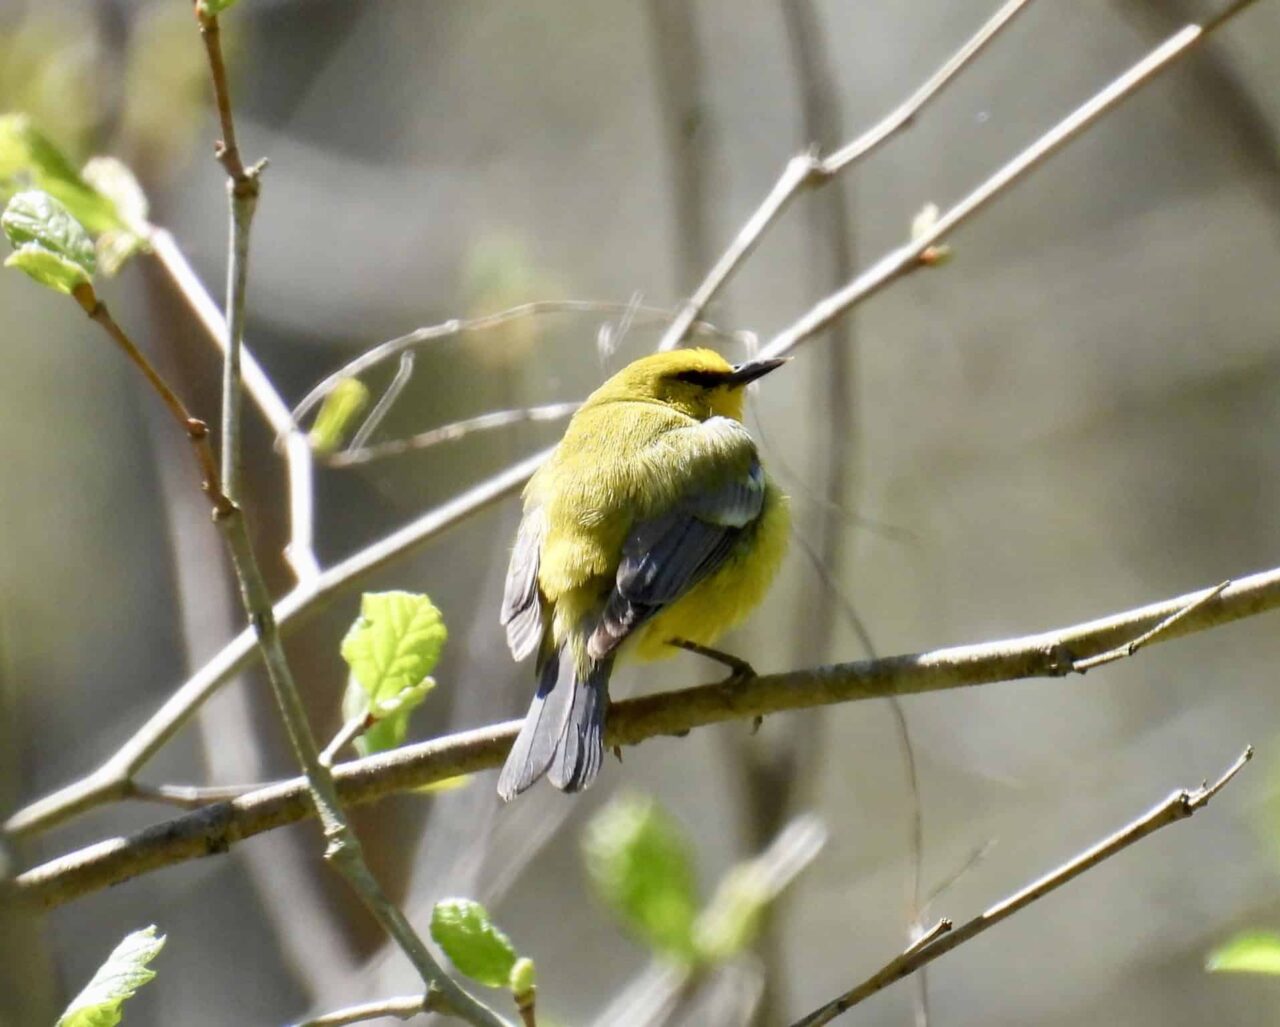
(300,550)
(941,939)
(1049,654)
(808,170)
(449,329)
(915,253)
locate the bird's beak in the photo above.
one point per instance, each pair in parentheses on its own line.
(753,369)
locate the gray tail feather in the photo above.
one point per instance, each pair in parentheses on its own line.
(563,732)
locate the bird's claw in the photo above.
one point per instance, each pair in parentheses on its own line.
(740,671)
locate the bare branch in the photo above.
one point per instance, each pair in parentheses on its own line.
(941,939)
(1050,654)
(913,255)
(195,429)
(449,329)
(297,450)
(808,170)
(450,433)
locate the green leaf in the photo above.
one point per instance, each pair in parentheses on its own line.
(124,972)
(342,405)
(113,180)
(47,267)
(1256,952)
(29,159)
(731,920)
(477,948)
(51,246)
(639,862)
(391,649)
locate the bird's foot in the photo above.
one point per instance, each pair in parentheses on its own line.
(740,670)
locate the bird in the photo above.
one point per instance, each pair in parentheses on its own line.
(651,523)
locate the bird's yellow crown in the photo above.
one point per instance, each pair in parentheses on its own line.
(697,382)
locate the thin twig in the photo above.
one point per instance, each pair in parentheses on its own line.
(243,189)
(449,329)
(380,409)
(908,257)
(809,169)
(186,796)
(194,428)
(1178,806)
(346,734)
(449,433)
(1120,652)
(300,550)
(402,1008)
(1047,655)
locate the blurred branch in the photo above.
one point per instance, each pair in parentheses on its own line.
(808,170)
(942,939)
(678,75)
(108,782)
(914,254)
(343,850)
(449,433)
(1050,654)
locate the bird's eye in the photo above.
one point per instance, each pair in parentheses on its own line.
(701,378)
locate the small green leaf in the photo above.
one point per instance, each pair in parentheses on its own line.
(1255,952)
(477,948)
(391,649)
(731,920)
(343,404)
(523,977)
(47,267)
(113,179)
(51,246)
(29,159)
(639,861)
(124,972)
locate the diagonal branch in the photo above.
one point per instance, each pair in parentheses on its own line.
(942,939)
(915,254)
(1051,654)
(809,170)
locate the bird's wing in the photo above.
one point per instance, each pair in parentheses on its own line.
(664,556)
(521,604)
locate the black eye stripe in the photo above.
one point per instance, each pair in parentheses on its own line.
(703,379)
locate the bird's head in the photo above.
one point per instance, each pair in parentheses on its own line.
(697,382)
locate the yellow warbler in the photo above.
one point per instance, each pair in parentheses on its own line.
(652,520)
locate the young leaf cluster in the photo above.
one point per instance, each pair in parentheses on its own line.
(640,863)
(391,649)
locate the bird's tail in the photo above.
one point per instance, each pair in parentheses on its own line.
(563,733)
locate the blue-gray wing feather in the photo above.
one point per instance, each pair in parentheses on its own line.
(521,600)
(663,557)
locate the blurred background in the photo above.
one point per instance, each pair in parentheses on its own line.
(1076,415)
